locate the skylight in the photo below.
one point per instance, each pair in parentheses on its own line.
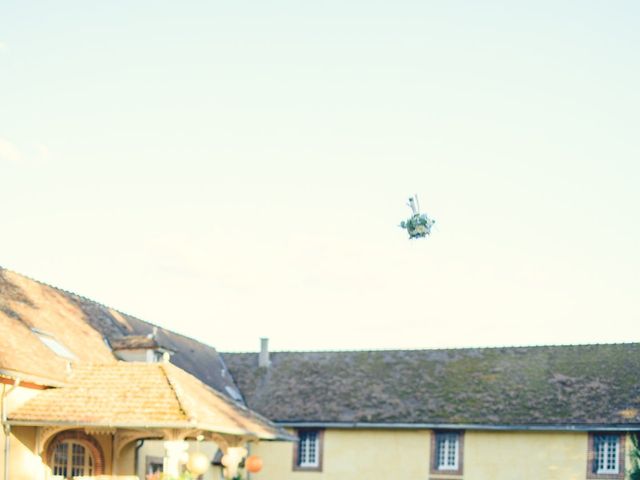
(55,346)
(235,394)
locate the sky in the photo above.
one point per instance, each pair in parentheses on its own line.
(233,170)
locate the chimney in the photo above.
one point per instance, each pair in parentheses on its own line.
(263,359)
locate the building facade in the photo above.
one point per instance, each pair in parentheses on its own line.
(90,392)
(530,413)
(73,408)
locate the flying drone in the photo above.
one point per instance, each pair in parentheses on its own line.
(419,225)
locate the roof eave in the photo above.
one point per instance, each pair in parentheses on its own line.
(28,378)
(139,425)
(465,426)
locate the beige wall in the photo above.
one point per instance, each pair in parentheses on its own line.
(526,455)
(125,464)
(354,454)
(368,454)
(23,443)
(405,454)
(22,440)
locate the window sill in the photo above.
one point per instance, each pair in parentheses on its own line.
(445,473)
(606,476)
(307,469)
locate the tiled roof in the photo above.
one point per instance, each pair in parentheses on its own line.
(81,325)
(25,305)
(132,394)
(553,385)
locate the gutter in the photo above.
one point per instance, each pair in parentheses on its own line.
(6,426)
(136,458)
(28,378)
(465,426)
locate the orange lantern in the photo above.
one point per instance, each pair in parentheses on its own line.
(253,463)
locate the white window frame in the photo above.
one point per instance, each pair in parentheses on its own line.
(447,441)
(602,446)
(306,439)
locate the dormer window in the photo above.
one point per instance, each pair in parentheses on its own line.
(54,345)
(139,348)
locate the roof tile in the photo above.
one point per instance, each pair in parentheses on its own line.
(126,394)
(568,385)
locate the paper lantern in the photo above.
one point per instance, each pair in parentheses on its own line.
(198,463)
(253,463)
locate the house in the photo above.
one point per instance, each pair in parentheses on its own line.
(528,413)
(87,390)
(72,407)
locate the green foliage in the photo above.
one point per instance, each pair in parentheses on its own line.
(182,476)
(634,455)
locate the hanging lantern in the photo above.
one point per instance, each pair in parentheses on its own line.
(419,225)
(253,463)
(198,463)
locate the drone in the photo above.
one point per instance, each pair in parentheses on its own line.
(419,225)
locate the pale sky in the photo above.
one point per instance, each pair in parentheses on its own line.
(232,170)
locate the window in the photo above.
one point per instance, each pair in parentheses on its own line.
(54,345)
(446,451)
(72,459)
(73,454)
(606,455)
(308,450)
(153,465)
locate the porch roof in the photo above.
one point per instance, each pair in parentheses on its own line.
(141,395)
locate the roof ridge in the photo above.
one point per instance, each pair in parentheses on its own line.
(252,414)
(441,349)
(182,399)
